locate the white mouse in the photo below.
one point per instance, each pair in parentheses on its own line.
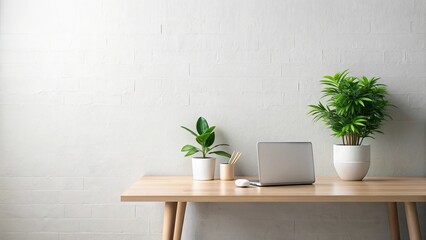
(242,183)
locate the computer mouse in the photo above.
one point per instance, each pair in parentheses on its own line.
(242,183)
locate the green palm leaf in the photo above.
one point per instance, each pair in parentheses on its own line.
(356,107)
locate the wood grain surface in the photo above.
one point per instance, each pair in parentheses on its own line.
(325,189)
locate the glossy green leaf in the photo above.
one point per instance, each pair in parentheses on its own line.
(202,125)
(203,137)
(206,139)
(210,140)
(189,130)
(187,148)
(191,153)
(199,141)
(221,153)
(223,144)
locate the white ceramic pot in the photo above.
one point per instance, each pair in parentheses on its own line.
(203,168)
(351,162)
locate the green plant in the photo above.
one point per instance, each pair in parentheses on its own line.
(205,138)
(355,109)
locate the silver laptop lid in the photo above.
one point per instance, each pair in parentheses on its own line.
(285,163)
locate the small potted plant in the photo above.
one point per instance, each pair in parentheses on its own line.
(355,110)
(203,167)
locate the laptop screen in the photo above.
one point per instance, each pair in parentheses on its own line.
(285,162)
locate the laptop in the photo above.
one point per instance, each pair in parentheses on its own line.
(284,163)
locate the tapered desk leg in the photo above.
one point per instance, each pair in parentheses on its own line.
(412,220)
(180,216)
(393,220)
(169,220)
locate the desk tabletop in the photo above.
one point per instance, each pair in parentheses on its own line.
(325,189)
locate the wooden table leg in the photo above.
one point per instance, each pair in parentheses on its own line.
(412,221)
(169,220)
(180,216)
(393,220)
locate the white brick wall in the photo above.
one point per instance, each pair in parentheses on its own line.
(92,94)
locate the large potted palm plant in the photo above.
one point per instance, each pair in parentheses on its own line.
(203,167)
(355,110)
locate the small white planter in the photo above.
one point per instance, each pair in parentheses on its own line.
(351,162)
(203,168)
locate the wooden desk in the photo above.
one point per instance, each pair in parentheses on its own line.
(177,191)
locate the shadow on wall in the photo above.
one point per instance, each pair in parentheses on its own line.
(400,112)
(406,108)
(404,135)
